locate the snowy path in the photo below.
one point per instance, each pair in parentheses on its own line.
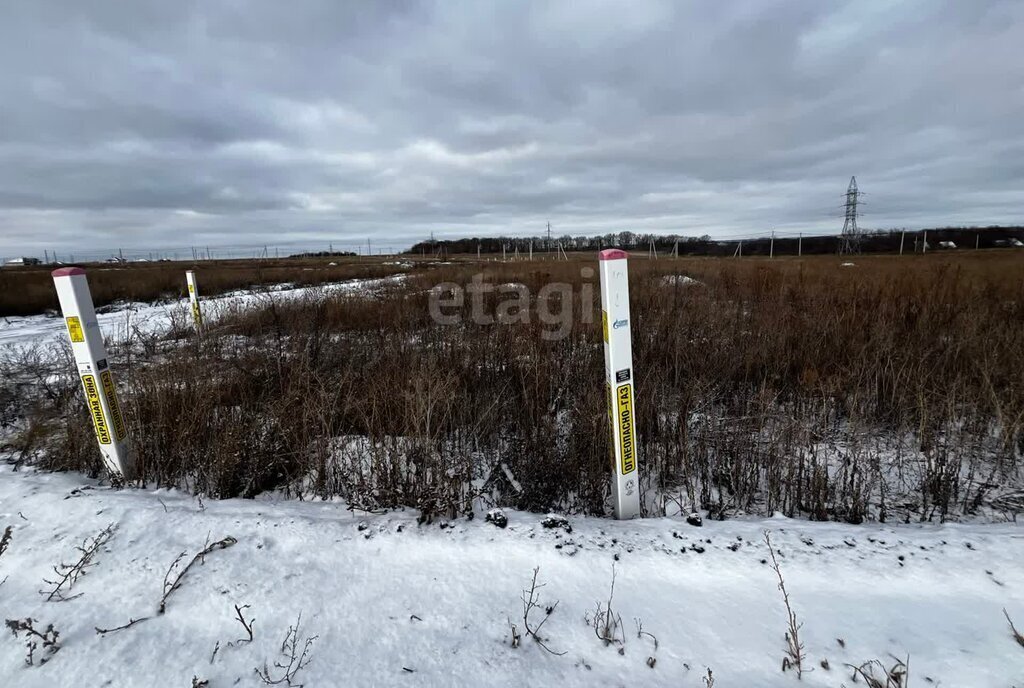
(396,604)
(147,317)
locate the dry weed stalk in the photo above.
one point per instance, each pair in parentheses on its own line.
(49,637)
(896,676)
(795,655)
(1013,629)
(532,604)
(68,574)
(294,659)
(169,586)
(246,623)
(607,622)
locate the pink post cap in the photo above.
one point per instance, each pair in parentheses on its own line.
(612,254)
(67,272)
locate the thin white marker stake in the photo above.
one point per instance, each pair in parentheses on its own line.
(619,376)
(93,370)
(193,298)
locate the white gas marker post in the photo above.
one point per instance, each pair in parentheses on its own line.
(618,366)
(193,297)
(91,361)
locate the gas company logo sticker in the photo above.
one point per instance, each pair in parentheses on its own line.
(627,439)
(619,324)
(92,397)
(116,419)
(75,329)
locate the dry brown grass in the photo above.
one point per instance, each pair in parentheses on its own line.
(29,290)
(889,388)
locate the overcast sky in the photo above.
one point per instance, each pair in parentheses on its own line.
(172,123)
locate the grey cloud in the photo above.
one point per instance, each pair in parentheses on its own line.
(154,124)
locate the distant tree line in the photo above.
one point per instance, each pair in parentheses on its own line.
(324,254)
(876,241)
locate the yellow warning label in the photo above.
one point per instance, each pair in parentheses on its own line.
(75,329)
(604,324)
(191,289)
(627,439)
(116,419)
(92,396)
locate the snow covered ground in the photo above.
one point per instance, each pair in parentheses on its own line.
(393,603)
(119,322)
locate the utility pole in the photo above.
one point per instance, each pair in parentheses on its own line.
(902,234)
(549,236)
(771,246)
(977,240)
(924,244)
(800,245)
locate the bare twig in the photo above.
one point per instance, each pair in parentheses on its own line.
(131,622)
(68,574)
(640,633)
(516,638)
(50,638)
(170,587)
(531,602)
(5,540)
(895,677)
(794,648)
(606,622)
(297,661)
(1016,634)
(246,624)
